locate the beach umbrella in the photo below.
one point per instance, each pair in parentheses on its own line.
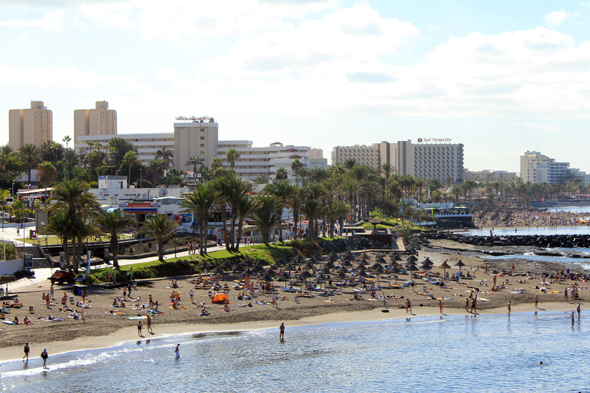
(444,266)
(204,265)
(238,268)
(227,264)
(364,274)
(412,258)
(309,265)
(343,269)
(460,264)
(341,274)
(264,262)
(381,260)
(376,265)
(267,277)
(280,262)
(325,270)
(330,265)
(272,272)
(248,272)
(347,264)
(258,268)
(305,274)
(379,269)
(332,257)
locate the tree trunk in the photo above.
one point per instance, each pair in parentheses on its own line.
(234,210)
(115,250)
(64,244)
(161,251)
(295,221)
(224,219)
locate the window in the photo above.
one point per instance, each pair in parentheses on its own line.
(202,145)
(202,138)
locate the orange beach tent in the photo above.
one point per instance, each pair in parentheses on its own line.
(220,298)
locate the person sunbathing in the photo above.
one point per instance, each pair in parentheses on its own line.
(26,321)
(2,315)
(115,304)
(16,321)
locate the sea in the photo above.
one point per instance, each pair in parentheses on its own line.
(488,353)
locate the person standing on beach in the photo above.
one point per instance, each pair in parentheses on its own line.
(565,294)
(282,331)
(149,325)
(408,306)
(474,306)
(440,306)
(579,310)
(27,349)
(52,292)
(191,294)
(139,329)
(573,320)
(537,301)
(44,356)
(177,351)
(509,307)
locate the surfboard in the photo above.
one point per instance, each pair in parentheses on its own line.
(8,322)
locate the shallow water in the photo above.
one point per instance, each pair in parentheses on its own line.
(455,354)
(570,209)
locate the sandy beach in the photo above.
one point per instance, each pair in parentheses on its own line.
(101,329)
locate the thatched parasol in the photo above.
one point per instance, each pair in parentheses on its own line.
(444,266)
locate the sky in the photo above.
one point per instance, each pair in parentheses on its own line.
(501,77)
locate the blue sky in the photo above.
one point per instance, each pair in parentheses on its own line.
(501,77)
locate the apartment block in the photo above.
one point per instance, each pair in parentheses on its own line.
(98,121)
(30,126)
(537,168)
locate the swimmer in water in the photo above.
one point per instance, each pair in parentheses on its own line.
(177,351)
(540,363)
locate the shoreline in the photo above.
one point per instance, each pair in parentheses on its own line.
(126,334)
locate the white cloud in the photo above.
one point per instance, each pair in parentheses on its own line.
(50,21)
(557,17)
(56,77)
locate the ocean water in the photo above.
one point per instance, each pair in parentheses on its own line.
(582,262)
(570,209)
(454,354)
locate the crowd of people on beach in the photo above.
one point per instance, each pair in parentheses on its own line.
(528,218)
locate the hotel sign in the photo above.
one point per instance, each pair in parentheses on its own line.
(434,140)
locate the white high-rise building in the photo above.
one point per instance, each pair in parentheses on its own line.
(537,168)
(199,137)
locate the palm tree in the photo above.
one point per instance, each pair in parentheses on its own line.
(114,223)
(312,208)
(160,228)
(201,203)
(195,162)
(294,201)
(281,174)
(246,207)
(73,196)
(387,170)
(130,160)
(304,174)
(59,224)
(349,164)
(283,190)
(47,173)
(234,190)
(336,210)
(265,214)
(31,155)
(67,140)
(232,156)
(81,229)
(296,166)
(4,194)
(156,167)
(19,210)
(70,161)
(165,155)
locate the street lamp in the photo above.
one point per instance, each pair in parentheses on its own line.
(12,194)
(140,177)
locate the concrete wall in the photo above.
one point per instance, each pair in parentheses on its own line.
(11,267)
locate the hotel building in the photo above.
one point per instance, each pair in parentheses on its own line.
(30,126)
(200,138)
(427,160)
(98,121)
(537,168)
